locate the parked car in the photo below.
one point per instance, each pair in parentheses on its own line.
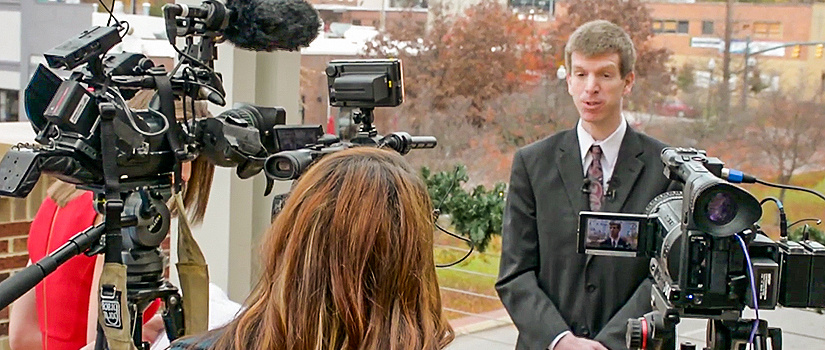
(676,108)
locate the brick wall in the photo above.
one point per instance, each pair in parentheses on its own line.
(15,218)
(13,257)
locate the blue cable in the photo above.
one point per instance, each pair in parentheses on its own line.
(753,288)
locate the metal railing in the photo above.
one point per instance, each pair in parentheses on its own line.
(472,320)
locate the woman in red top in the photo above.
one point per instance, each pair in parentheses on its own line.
(64,300)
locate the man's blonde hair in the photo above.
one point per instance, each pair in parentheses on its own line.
(600,37)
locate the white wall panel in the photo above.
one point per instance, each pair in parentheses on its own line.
(10,45)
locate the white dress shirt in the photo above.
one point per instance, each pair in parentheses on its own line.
(610,150)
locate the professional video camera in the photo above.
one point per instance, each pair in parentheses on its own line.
(363,84)
(131,159)
(709,258)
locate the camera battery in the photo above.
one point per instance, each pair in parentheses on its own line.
(766,273)
(795,268)
(816,282)
(73,109)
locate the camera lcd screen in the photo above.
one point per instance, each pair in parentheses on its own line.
(292,137)
(612,234)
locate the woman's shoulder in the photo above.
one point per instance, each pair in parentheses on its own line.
(197,342)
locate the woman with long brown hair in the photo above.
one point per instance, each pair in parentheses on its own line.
(347,264)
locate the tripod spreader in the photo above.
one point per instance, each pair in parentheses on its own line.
(24,280)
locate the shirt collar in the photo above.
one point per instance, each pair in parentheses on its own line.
(610,146)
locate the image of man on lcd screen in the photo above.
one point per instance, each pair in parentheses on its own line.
(614,240)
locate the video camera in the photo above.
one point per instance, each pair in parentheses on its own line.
(709,258)
(88,135)
(364,84)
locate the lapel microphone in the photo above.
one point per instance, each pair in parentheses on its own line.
(610,194)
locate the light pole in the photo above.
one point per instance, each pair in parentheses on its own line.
(561,75)
(743,99)
(711,67)
(750,62)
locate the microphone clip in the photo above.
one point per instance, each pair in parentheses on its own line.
(586,186)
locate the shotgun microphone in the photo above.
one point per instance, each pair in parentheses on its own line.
(257,25)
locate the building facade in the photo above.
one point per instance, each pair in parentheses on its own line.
(695,32)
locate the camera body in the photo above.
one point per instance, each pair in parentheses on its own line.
(697,264)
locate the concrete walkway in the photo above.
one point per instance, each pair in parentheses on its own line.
(801,330)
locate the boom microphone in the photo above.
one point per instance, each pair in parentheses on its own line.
(266,25)
(257,25)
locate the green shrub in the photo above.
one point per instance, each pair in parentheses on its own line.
(813,234)
(475,214)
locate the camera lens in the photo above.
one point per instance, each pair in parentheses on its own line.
(721,208)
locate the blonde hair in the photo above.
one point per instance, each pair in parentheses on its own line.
(600,37)
(348,263)
(63,192)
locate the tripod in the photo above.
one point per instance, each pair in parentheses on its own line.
(725,331)
(141,290)
(144,267)
(734,335)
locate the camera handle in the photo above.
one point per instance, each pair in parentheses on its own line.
(21,282)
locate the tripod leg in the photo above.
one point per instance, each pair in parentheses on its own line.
(137,334)
(776,338)
(718,336)
(173,317)
(100,342)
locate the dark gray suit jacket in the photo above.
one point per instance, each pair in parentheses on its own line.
(545,285)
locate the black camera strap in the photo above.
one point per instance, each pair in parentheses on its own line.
(167,107)
(114,317)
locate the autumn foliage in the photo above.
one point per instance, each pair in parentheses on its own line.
(479,55)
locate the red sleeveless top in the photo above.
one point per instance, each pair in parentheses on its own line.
(63,296)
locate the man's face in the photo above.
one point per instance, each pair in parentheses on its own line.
(614,231)
(597,87)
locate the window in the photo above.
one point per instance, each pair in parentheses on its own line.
(670,26)
(767,30)
(682,27)
(356,22)
(536,5)
(8,105)
(707,27)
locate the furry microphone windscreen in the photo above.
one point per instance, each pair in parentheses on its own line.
(267,25)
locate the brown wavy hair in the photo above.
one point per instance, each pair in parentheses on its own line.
(348,263)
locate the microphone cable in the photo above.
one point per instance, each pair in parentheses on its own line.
(437,213)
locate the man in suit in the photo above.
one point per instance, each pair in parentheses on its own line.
(613,240)
(560,299)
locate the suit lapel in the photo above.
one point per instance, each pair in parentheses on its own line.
(569,164)
(627,170)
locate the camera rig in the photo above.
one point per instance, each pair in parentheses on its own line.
(709,257)
(131,159)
